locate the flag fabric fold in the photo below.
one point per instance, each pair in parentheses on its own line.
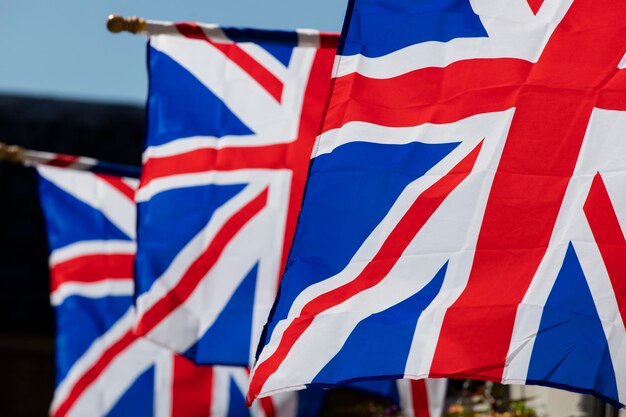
(463,215)
(232,119)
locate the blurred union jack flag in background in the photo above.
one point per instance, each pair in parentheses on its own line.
(232,120)
(464,214)
(102,368)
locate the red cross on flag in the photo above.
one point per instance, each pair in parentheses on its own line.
(465,213)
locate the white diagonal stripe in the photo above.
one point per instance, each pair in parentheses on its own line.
(91,356)
(439,240)
(514,32)
(271,121)
(183,260)
(181,328)
(106,390)
(87,188)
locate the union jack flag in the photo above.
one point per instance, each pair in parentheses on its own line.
(232,120)
(464,214)
(103,369)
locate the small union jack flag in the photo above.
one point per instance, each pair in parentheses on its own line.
(232,120)
(465,211)
(103,369)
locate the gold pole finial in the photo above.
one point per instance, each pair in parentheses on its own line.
(11,153)
(133,24)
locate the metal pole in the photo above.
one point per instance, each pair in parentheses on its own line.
(133,24)
(27,157)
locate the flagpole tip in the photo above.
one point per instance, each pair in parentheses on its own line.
(11,153)
(133,24)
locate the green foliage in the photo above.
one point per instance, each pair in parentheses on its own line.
(479,399)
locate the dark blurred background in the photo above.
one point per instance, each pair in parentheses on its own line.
(103,131)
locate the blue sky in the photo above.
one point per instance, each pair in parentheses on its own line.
(61,48)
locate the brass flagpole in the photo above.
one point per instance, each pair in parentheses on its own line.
(133,24)
(12,153)
(30,158)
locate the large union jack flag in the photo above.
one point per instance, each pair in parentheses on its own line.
(102,368)
(465,210)
(232,120)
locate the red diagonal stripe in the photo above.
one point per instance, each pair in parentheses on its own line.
(92,373)
(400,237)
(119,185)
(609,238)
(192,390)
(376,270)
(200,267)
(445,95)
(266,403)
(258,72)
(92,268)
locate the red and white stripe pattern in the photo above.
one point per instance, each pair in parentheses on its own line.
(181,391)
(282,106)
(96,269)
(422,398)
(92,269)
(532,173)
(59,160)
(79,163)
(99,269)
